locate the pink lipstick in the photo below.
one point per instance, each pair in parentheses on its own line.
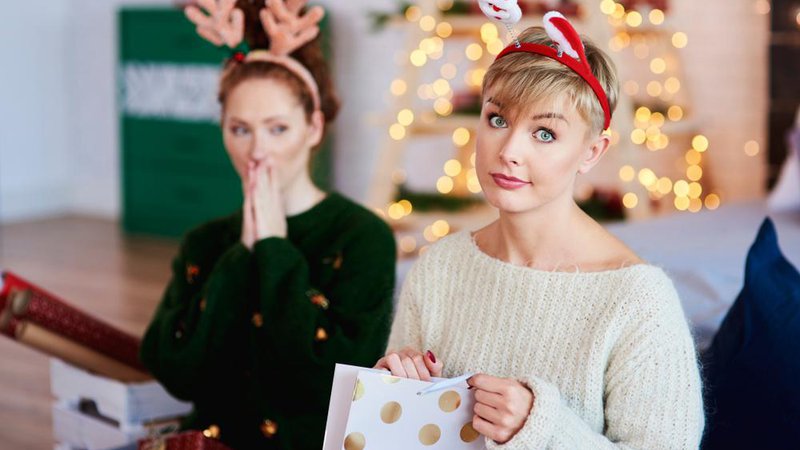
(508,182)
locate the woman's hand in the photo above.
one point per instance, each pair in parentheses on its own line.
(263,215)
(502,405)
(410,363)
(248,224)
(248,216)
(268,213)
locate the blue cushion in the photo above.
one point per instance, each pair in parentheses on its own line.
(752,369)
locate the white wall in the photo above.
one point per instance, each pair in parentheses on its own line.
(59,147)
(58,122)
(95,188)
(93,118)
(34,131)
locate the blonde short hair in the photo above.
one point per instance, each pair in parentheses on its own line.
(521,80)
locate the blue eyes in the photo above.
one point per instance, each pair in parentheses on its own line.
(496,121)
(278,130)
(542,134)
(239,130)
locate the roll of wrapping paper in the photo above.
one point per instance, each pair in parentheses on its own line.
(187,440)
(31,303)
(58,346)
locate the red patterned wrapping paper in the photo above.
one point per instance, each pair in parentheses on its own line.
(28,302)
(188,440)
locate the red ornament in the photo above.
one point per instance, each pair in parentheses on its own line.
(192,271)
(239,56)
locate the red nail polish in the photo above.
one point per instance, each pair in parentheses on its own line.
(431,356)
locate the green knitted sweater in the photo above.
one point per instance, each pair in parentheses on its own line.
(252,338)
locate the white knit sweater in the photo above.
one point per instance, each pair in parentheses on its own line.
(608,355)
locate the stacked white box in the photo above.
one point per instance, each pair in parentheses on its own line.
(131,410)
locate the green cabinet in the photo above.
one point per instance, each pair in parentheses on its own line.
(175,172)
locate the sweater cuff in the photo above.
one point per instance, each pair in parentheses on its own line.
(276,252)
(539,426)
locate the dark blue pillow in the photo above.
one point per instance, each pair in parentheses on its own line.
(752,369)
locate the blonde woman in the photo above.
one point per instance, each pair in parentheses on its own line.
(577,342)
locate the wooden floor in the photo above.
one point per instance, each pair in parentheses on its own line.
(92,265)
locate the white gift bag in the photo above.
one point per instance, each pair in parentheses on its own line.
(371,410)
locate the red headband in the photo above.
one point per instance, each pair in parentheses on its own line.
(570,53)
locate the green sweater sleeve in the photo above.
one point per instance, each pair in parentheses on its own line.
(318,326)
(307,329)
(186,339)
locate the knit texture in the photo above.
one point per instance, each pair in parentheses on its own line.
(608,355)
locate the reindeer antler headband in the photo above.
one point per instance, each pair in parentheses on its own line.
(223,24)
(569,51)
